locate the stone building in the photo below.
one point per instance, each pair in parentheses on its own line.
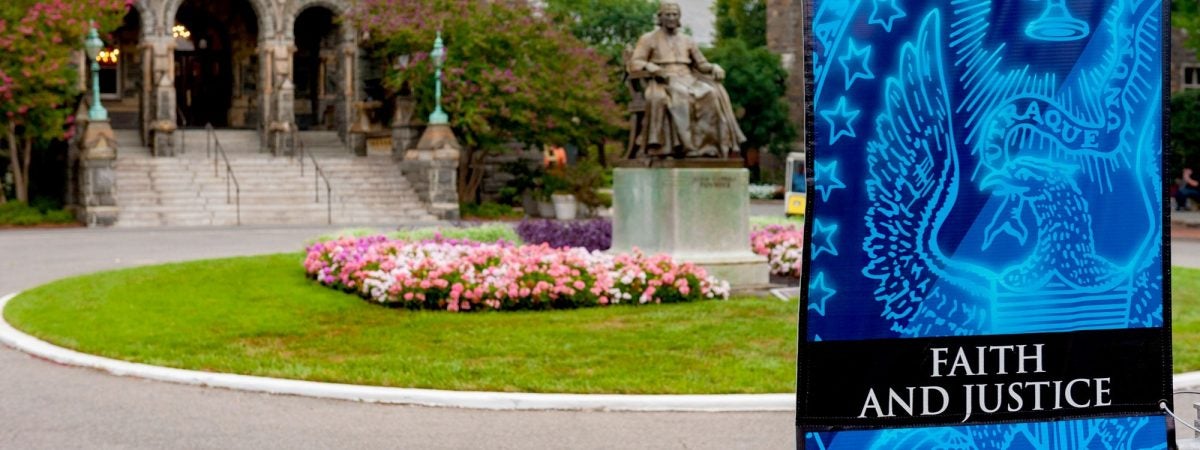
(1185,69)
(266,65)
(303,130)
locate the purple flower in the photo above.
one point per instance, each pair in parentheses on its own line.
(595,234)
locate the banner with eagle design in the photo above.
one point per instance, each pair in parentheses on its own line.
(985,262)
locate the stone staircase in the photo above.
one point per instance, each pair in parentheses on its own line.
(183,190)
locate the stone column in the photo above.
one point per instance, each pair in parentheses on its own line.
(146,96)
(285,109)
(97,177)
(432,168)
(74,157)
(266,90)
(281,118)
(349,87)
(162,123)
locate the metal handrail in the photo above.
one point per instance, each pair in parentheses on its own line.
(211,150)
(180,129)
(298,150)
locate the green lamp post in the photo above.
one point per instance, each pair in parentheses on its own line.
(92,46)
(438,117)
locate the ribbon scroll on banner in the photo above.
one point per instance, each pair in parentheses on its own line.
(985,264)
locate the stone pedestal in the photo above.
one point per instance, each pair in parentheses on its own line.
(162,129)
(696,215)
(280,128)
(98,177)
(362,128)
(432,168)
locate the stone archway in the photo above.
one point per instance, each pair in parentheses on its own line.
(216,64)
(317,69)
(330,59)
(264,13)
(298,7)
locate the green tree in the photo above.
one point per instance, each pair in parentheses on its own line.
(742,19)
(1185,130)
(510,75)
(38,94)
(1185,14)
(605,25)
(756,82)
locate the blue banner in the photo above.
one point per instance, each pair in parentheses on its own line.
(985,224)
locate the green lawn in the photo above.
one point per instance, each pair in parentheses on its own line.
(261,316)
(1185,318)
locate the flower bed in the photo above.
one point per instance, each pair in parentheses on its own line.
(764,191)
(783,245)
(459,275)
(780,240)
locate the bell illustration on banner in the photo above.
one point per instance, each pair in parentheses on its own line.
(1057,25)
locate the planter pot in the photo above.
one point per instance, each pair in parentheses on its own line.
(530,205)
(545,209)
(564,206)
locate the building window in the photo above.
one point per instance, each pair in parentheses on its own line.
(110,78)
(1191,76)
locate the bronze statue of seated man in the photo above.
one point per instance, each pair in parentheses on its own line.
(688,113)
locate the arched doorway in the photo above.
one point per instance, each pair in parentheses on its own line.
(216,64)
(121,76)
(316,76)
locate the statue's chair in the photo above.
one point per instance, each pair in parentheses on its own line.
(635,81)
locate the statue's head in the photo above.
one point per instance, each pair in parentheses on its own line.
(668,15)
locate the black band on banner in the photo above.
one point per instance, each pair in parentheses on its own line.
(981,379)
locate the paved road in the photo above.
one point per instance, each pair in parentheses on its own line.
(50,406)
(43,405)
(1185,252)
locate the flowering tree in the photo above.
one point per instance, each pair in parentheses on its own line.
(38,41)
(510,75)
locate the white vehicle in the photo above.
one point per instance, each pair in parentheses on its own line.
(796,197)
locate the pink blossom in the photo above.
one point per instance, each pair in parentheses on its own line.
(479,276)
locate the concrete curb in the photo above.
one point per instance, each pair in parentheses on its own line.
(373,394)
(1187,380)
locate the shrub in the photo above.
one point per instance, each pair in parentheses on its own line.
(20,214)
(595,234)
(488,211)
(586,177)
(469,276)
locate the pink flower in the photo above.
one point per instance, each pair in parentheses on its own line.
(389,271)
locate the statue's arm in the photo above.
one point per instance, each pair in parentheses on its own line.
(702,65)
(640,61)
